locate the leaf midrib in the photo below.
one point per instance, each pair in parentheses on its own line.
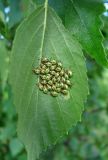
(44,28)
(41,53)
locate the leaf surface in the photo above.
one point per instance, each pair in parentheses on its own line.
(43,119)
(82,19)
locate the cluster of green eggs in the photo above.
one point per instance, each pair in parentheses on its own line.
(54,79)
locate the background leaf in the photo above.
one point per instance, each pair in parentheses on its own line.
(18,10)
(4,63)
(58,5)
(31,6)
(43,119)
(85,24)
(15,147)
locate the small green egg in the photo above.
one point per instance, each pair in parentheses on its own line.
(53,87)
(44,60)
(50,83)
(53,61)
(43,77)
(47,71)
(45,90)
(53,72)
(48,77)
(68,82)
(65,92)
(42,71)
(58,79)
(44,82)
(36,70)
(59,64)
(65,86)
(48,64)
(69,73)
(49,87)
(62,72)
(41,86)
(58,85)
(58,90)
(61,85)
(54,94)
(56,74)
(52,67)
(43,66)
(58,69)
(63,79)
(66,76)
(54,79)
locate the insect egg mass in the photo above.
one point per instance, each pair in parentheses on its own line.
(54,79)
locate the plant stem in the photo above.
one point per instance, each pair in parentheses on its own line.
(46,3)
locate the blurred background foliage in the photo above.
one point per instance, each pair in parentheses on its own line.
(89,139)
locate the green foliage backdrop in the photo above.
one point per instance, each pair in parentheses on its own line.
(68,31)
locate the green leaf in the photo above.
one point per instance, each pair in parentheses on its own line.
(2,23)
(15,147)
(1,6)
(19,10)
(7,132)
(82,19)
(59,6)
(43,119)
(4,63)
(31,7)
(22,157)
(2,17)
(15,14)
